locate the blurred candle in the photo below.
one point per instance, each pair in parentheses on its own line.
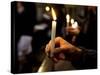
(68,18)
(75,25)
(72,21)
(47,8)
(53,33)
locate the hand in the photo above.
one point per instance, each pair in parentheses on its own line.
(61,47)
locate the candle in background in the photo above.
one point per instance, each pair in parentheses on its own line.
(68,20)
(75,26)
(53,32)
(47,8)
(72,21)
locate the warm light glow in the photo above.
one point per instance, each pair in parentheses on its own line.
(75,25)
(47,8)
(67,17)
(53,14)
(72,21)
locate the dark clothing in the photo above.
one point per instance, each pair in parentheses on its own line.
(88,60)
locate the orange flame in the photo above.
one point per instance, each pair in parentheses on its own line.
(53,14)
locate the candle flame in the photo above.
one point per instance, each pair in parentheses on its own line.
(72,21)
(53,14)
(75,25)
(67,17)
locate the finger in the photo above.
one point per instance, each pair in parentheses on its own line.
(49,45)
(46,49)
(57,40)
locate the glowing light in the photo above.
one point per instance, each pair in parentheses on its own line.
(47,8)
(68,17)
(72,21)
(75,25)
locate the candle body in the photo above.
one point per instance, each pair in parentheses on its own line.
(47,65)
(67,28)
(53,33)
(68,20)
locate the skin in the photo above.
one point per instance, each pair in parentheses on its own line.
(62,47)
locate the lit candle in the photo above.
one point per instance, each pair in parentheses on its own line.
(75,26)
(72,21)
(48,64)
(53,33)
(53,14)
(68,20)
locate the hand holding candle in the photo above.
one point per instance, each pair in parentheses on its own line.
(47,62)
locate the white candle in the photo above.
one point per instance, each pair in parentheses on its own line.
(72,21)
(68,20)
(53,32)
(48,64)
(74,25)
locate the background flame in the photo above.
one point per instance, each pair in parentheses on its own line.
(75,25)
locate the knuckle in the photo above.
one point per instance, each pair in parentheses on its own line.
(58,38)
